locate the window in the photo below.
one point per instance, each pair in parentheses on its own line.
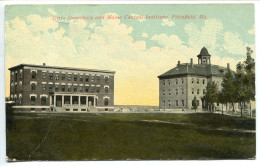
(56,76)
(98,79)
(92,78)
(15,88)
(169,103)
(75,77)
(56,88)
(177,104)
(164,103)
(198,91)
(203,81)
(81,78)
(192,92)
(182,91)
(97,89)
(63,77)
(33,74)
(176,91)
(192,80)
(86,78)
(163,92)
(63,88)
(182,80)
(43,100)
(106,89)
(50,87)
(92,89)
(106,101)
(176,81)
(81,88)
(87,88)
(169,92)
(43,86)
(169,82)
(50,76)
(33,99)
(106,79)
(75,88)
(43,75)
(69,77)
(182,102)
(198,81)
(33,86)
(204,91)
(69,88)
(163,82)
(15,77)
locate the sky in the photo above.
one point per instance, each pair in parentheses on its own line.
(137,49)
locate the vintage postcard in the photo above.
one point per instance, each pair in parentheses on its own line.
(130,82)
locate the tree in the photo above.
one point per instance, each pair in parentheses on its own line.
(211,94)
(195,104)
(222,99)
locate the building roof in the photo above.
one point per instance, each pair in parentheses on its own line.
(194,69)
(64,68)
(204,52)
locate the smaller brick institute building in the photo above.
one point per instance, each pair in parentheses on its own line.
(61,89)
(178,86)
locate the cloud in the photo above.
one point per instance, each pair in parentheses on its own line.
(145,35)
(233,44)
(252,30)
(52,11)
(166,22)
(140,18)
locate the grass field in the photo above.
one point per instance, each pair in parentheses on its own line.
(146,136)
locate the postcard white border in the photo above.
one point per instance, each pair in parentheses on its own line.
(125,163)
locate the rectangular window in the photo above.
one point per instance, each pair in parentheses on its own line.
(106,89)
(198,81)
(198,91)
(15,88)
(176,91)
(182,80)
(164,103)
(56,88)
(63,77)
(169,82)
(81,78)
(43,75)
(56,76)
(97,89)
(75,77)
(169,92)
(106,80)
(75,88)
(162,81)
(169,102)
(33,86)
(50,76)
(177,104)
(81,88)
(43,86)
(182,91)
(50,87)
(203,81)
(33,99)
(69,77)
(97,79)
(92,78)
(92,89)
(192,80)
(106,102)
(43,100)
(176,81)
(163,92)
(63,88)
(69,88)
(33,74)
(87,88)
(182,102)
(15,77)
(86,78)
(192,92)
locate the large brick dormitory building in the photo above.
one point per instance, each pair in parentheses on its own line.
(36,88)
(178,86)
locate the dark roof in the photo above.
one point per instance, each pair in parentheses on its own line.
(203,52)
(66,68)
(199,70)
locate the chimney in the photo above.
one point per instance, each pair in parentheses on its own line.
(179,62)
(44,64)
(191,62)
(228,66)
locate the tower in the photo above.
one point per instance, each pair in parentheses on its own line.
(204,56)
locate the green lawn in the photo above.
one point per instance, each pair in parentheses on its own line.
(127,136)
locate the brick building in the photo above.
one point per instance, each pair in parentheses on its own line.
(178,86)
(61,89)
